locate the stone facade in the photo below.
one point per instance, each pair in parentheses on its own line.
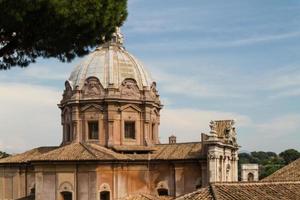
(249,172)
(110,114)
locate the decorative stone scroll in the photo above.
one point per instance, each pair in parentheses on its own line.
(129,89)
(92,88)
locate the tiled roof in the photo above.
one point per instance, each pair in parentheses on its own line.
(201,194)
(140,197)
(27,156)
(134,148)
(90,152)
(290,172)
(247,191)
(178,151)
(80,151)
(146,197)
(257,190)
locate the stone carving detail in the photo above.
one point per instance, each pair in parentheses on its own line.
(212,155)
(129,89)
(213,128)
(153,91)
(230,133)
(92,88)
(67,92)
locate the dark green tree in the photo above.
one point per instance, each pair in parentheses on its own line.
(3,154)
(61,29)
(289,155)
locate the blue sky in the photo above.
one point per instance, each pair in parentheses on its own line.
(211,60)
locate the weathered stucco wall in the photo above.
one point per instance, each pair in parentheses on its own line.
(87,181)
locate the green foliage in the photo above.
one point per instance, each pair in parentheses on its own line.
(3,154)
(269,162)
(62,29)
(289,155)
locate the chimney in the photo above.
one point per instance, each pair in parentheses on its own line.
(172,139)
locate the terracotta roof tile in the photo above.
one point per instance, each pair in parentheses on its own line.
(79,151)
(146,197)
(178,151)
(256,190)
(201,194)
(290,172)
(247,191)
(125,148)
(139,197)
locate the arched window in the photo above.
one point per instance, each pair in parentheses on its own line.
(250,177)
(162,192)
(66,195)
(105,195)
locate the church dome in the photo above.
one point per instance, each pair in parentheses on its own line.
(111,64)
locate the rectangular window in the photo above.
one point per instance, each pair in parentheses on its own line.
(130,130)
(93,130)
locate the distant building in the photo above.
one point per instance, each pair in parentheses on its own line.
(110,149)
(249,172)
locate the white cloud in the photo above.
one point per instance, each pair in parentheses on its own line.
(29,117)
(279,127)
(282,78)
(194,86)
(259,39)
(188,124)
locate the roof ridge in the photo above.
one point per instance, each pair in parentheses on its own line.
(178,143)
(106,151)
(86,148)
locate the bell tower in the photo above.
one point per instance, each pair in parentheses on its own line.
(222,152)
